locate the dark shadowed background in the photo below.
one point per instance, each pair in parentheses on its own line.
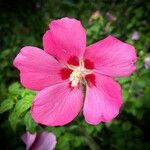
(23,22)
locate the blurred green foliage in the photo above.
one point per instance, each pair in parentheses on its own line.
(24,22)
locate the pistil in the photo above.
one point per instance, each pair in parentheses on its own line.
(78,73)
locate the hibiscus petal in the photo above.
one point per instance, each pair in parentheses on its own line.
(57,105)
(65,39)
(37,69)
(44,141)
(28,139)
(112,57)
(102,101)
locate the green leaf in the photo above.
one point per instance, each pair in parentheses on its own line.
(126,126)
(14,120)
(140,64)
(6,105)
(124,80)
(29,123)
(125,93)
(64,141)
(14,88)
(23,105)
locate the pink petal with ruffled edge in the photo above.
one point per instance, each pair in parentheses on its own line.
(44,141)
(57,105)
(112,57)
(65,39)
(37,69)
(28,139)
(103,100)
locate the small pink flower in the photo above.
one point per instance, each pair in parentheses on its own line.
(40,141)
(65,64)
(95,15)
(147,62)
(135,36)
(110,17)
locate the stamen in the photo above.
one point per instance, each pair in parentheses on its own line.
(78,73)
(75,77)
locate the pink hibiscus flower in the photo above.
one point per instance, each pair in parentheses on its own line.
(39,141)
(66,64)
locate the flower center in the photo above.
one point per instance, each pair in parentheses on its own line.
(78,74)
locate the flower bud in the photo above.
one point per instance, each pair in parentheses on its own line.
(147,62)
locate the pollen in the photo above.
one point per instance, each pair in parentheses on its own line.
(76,77)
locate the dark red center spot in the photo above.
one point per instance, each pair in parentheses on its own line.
(65,73)
(88,64)
(90,78)
(73,60)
